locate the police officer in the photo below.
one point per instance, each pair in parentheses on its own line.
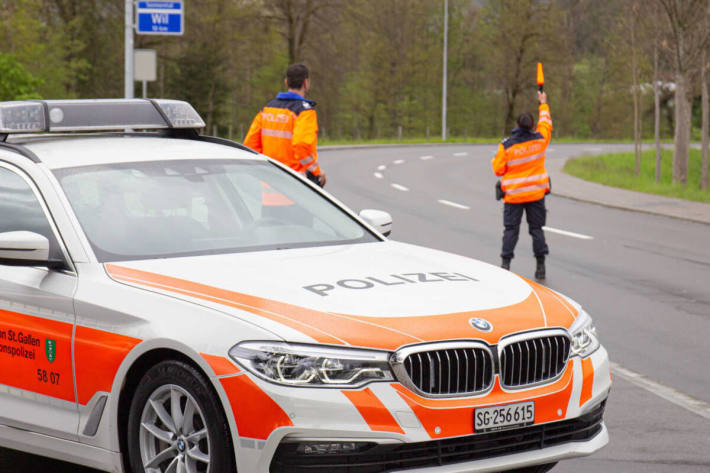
(520,161)
(286,129)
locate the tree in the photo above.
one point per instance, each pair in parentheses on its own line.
(524,32)
(297,18)
(635,86)
(15,82)
(689,38)
(31,31)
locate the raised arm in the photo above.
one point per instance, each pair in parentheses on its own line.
(544,121)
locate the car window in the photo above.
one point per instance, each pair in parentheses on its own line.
(190,207)
(20,210)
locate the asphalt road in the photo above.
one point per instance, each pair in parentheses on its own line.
(645,279)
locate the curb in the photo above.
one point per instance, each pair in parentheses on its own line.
(630,209)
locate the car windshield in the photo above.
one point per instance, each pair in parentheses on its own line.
(160,209)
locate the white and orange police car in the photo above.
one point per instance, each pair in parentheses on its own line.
(171,302)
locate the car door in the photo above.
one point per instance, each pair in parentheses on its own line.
(36,321)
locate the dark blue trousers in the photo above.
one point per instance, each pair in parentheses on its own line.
(535,214)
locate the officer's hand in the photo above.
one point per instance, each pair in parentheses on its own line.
(541,97)
(321,179)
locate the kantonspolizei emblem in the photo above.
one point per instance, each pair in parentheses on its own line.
(481,324)
(50,349)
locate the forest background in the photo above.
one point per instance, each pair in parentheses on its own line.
(376,65)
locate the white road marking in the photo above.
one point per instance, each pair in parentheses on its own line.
(569,234)
(696,406)
(399,161)
(594,149)
(379,175)
(461,154)
(381,167)
(550,150)
(425,158)
(453,204)
(399,187)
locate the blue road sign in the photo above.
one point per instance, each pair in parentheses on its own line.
(164,18)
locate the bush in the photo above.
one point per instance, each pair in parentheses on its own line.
(15,82)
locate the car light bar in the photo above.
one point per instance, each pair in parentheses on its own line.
(42,116)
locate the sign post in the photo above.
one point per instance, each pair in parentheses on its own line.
(128,51)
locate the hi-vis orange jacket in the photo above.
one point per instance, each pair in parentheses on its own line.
(286,129)
(521,161)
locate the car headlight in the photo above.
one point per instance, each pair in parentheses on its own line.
(584,336)
(312,366)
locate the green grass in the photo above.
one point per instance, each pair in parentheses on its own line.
(617,170)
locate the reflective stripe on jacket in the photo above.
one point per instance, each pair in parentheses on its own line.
(286,129)
(520,161)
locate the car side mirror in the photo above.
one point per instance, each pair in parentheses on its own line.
(381,221)
(24,249)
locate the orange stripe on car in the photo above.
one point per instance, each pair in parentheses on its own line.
(220,365)
(36,355)
(558,313)
(218,296)
(321,326)
(377,416)
(98,355)
(512,318)
(256,414)
(43,363)
(587,381)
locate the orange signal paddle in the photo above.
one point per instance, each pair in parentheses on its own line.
(540,77)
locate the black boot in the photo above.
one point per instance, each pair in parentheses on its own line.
(505,264)
(540,269)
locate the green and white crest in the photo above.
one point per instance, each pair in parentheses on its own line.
(50,349)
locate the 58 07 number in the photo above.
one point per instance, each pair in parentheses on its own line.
(44,376)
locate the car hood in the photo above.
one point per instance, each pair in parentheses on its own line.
(378,295)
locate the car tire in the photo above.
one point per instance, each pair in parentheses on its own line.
(535,469)
(176,424)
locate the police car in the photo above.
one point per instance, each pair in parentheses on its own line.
(171,302)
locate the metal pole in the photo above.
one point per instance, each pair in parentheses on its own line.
(145,89)
(128,56)
(443,86)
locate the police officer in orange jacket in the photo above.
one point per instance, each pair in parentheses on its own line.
(520,161)
(286,129)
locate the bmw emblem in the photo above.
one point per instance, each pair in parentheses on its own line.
(481,324)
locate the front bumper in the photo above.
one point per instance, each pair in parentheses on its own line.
(413,434)
(550,442)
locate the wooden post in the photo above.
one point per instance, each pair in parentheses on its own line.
(657,112)
(705,124)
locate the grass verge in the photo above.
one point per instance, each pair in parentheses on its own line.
(617,170)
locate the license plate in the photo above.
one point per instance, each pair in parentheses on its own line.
(486,419)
